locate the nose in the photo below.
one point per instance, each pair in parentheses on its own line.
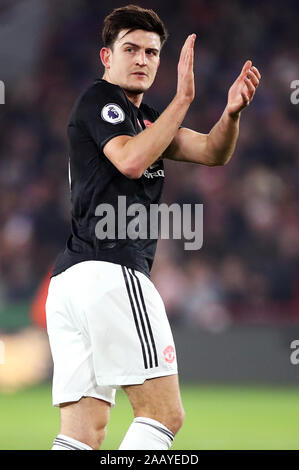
(141,57)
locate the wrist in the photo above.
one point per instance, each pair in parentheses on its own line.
(182,100)
(232,115)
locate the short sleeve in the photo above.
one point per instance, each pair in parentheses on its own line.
(104,113)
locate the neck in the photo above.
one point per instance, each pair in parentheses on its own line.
(135,98)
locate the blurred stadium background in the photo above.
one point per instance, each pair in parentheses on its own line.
(234,304)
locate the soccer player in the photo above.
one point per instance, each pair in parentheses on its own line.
(106,321)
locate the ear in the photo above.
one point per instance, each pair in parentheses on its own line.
(105,55)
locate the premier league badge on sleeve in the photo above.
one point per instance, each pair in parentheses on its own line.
(113,113)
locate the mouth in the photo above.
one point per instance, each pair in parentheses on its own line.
(139,74)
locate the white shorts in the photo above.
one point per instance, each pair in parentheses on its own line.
(107,327)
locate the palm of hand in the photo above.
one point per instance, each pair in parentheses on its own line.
(242,90)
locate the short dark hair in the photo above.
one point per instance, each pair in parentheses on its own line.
(132,17)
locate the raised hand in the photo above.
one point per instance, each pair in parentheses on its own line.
(186,88)
(243,89)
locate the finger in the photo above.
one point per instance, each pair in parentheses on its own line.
(246,67)
(251,75)
(244,71)
(188,52)
(185,48)
(185,45)
(189,41)
(193,37)
(186,58)
(246,99)
(256,72)
(250,86)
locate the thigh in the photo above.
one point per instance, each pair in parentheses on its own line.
(157,398)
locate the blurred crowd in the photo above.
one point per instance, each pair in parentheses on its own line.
(247,269)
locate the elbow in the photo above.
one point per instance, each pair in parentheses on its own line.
(132,172)
(226,157)
(225,160)
(215,162)
(221,160)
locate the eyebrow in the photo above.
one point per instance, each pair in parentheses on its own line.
(136,45)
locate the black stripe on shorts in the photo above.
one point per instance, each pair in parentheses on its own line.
(147,319)
(135,316)
(140,318)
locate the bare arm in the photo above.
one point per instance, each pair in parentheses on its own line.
(217,147)
(133,155)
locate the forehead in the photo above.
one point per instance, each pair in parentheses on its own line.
(146,39)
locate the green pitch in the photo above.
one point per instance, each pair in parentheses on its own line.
(217,417)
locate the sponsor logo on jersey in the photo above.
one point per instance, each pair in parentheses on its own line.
(154,174)
(113,113)
(169,354)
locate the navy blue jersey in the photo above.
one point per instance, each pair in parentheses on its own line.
(101,113)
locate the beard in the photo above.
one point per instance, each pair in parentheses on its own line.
(135,90)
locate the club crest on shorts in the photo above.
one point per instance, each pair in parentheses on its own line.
(169,354)
(113,113)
